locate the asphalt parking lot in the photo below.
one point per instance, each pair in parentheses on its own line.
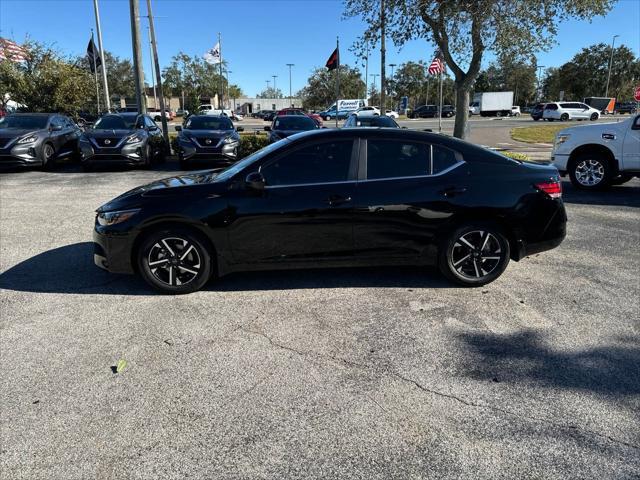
(363,373)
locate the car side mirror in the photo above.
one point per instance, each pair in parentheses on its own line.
(56,128)
(255,181)
(178,128)
(267,128)
(239,129)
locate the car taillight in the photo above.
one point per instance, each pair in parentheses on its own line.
(553,189)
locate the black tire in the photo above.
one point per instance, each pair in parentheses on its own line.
(590,172)
(550,119)
(564,117)
(535,119)
(174,261)
(622,178)
(48,156)
(594,117)
(148,156)
(477,266)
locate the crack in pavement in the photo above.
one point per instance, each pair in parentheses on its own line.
(437,392)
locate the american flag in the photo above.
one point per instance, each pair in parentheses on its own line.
(437,65)
(11,51)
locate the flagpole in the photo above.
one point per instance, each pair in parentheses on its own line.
(220,81)
(440,108)
(104,65)
(337,78)
(95,72)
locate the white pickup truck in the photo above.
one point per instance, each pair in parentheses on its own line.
(600,155)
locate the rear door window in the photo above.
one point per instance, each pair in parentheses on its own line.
(443,158)
(393,158)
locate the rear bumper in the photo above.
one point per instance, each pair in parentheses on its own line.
(552,236)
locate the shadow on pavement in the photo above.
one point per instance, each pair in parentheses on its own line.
(627,195)
(524,357)
(70,269)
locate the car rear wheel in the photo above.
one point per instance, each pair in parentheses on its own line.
(174,261)
(564,117)
(474,255)
(590,172)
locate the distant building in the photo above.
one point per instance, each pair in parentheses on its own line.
(250,105)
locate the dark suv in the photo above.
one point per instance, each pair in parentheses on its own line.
(36,139)
(209,138)
(625,107)
(424,111)
(536,112)
(122,138)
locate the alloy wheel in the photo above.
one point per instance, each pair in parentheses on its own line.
(589,172)
(476,254)
(174,261)
(48,152)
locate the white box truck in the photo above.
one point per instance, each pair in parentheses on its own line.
(489,104)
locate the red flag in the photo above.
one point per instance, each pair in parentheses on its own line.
(334,60)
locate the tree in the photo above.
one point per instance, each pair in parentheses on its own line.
(194,78)
(507,74)
(464,30)
(119,75)
(320,91)
(46,82)
(270,92)
(585,75)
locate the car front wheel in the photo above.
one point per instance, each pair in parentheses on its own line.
(174,261)
(474,255)
(594,117)
(590,172)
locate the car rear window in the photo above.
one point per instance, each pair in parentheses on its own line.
(209,123)
(393,158)
(551,106)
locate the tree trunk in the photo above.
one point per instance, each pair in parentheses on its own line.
(462,110)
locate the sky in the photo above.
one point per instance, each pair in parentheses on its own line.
(259,37)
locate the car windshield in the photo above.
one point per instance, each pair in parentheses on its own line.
(293,122)
(209,123)
(31,122)
(115,122)
(245,162)
(376,122)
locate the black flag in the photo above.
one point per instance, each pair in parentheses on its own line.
(93,55)
(334,60)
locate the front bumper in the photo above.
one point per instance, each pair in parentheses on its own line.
(127,154)
(222,155)
(20,156)
(111,251)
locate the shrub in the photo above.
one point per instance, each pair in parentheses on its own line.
(249,143)
(516,156)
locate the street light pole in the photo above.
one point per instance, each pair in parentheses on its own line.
(290,65)
(606,92)
(374,75)
(154,44)
(274,83)
(153,72)
(393,66)
(383,59)
(540,67)
(107,100)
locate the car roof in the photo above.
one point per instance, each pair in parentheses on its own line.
(208,116)
(35,114)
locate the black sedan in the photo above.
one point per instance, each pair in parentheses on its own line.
(36,139)
(122,139)
(338,197)
(373,121)
(208,138)
(286,125)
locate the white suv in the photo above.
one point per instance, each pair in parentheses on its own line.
(569,111)
(367,111)
(596,156)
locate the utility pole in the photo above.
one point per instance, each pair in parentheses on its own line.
(274,83)
(107,101)
(393,66)
(606,92)
(383,54)
(221,99)
(138,74)
(366,76)
(154,44)
(290,97)
(153,73)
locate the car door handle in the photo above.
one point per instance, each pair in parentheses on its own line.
(335,200)
(453,191)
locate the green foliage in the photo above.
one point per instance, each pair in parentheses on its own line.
(505,75)
(464,29)
(235,91)
(194,77)
(270,92)
(250,143)
(537,133)
(47,82)
(585,75)
(320,91)
(516,156)
(119,75)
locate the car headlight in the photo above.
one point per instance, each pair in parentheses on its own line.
(29,139)
(133,139)
(115,217)
(229,140)
(560,139)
